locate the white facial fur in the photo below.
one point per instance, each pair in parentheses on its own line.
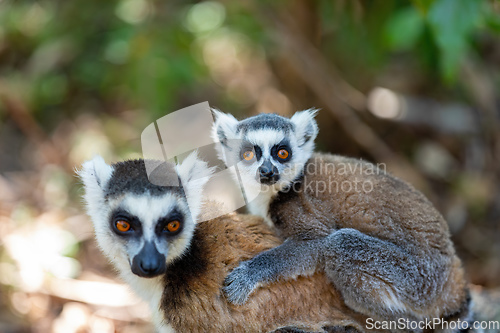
(96,174)
(300,139)
(224,131)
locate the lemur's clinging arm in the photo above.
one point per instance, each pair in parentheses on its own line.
(150,234)
(380,241)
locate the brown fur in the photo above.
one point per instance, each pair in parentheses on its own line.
(393,211)
(193,300)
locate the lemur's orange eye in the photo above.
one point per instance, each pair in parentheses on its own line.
(283,154)
(248,155)
(173,226)
(122,226)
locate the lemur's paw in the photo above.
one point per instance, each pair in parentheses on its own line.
(239,284)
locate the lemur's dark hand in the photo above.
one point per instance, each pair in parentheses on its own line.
(240,283)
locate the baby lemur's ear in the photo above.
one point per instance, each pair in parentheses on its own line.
(224,127)
(306,128)
(194,174)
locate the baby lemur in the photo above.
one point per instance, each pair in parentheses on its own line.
(148,232)
(380,241)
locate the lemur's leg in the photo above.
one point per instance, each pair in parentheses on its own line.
(292,258)
(326,329)
(377,277)
(341,329)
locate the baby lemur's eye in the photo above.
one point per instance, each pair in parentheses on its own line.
(122,226)
(248,155)
(283,154)
(172,226)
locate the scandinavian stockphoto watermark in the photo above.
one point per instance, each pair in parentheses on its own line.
(341,177)
(331,178)
(173,137)
(430,324)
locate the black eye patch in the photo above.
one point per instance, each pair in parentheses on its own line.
(174,215)
(249,147)
(258,152)
(275,152)
(121,214)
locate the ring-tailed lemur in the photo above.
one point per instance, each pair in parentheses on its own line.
(148,233)
(380,241)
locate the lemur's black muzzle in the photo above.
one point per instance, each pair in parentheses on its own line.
(268,173)
(149,262)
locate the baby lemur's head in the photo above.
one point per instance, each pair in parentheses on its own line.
(141,226)
(269,150)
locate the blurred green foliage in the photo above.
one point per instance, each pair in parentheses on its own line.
(67,56)
(439,33)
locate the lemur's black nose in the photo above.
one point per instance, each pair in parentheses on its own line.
(149,262)
(149,265)
(268,173)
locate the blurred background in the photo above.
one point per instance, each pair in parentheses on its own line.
(413,84)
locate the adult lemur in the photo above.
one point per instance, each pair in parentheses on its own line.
(380,241)
(149,234)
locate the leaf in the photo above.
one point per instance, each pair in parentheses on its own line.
(452,23)
(403,29)
(492,21)
(423,5)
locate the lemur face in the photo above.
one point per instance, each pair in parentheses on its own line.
(269,150)
(139,225)
(151,231)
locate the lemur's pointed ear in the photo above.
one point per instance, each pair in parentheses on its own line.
(224,127)
(306,128)
(194,174)
(95,173)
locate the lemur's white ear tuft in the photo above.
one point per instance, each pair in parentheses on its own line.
(306,128)
(224,127)
(95,173)
(194,174)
